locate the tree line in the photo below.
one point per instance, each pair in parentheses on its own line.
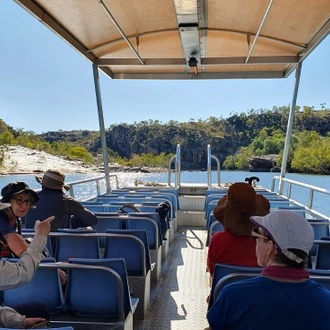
(233,140)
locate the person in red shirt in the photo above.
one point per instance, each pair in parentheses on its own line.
(234,245)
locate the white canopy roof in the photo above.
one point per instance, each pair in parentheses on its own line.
(188,39)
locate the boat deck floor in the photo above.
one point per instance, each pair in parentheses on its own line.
(178,301)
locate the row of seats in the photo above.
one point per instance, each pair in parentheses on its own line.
(141,262)
(115,237)
(97,292)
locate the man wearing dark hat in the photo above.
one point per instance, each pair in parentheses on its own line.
(21,199)
(68,212)
(282,297)
(234,246)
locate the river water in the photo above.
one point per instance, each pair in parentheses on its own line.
(321,201)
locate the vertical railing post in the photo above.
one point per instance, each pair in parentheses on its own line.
(289,128)
(101,124)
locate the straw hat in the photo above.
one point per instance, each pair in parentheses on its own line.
(236,207)
(53,179)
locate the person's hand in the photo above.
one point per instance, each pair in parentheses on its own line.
(63,276)
(31,321)
(43,227)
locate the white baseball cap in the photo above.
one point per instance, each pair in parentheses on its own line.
(288,230)
(4,205)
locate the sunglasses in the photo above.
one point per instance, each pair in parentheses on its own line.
(22,201)
(255,234)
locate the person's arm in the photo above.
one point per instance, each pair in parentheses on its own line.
(13,274)
(16,243)
(9,318)
(82,216)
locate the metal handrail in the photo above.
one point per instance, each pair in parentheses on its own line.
(209,167)
(177,168)
(291,182)
(97,180)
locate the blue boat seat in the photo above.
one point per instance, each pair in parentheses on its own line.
(105,222)
(158,251)
(76,243)
(45,287)
(221,270)
(134,252)
(322,260)
(227,279)
(215,227)
(119,266)
(321,229)
(94,295)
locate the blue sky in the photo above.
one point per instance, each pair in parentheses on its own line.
(47,86)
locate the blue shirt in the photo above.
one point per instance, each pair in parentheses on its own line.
(262,303)
(5,226)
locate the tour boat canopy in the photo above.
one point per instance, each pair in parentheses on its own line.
(188,39)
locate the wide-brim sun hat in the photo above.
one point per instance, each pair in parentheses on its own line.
(53,179)
(235,208)
(15,188)
(288,230)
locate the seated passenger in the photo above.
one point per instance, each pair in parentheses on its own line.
(68,212)
(21,199)
(282,297)
(234,246)
(12,276)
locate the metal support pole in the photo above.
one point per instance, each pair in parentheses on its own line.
(289,128)
(101,124)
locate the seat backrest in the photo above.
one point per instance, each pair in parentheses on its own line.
(295,208)
(216,226)
(95,291)
(139,233)
(129,248)
(26,233)
(221,270)
(107,222)
(323,279)
(322,260)
(153,228)
(116,264)
(230,278)
(76,243)
(320,230)
(45,287)
(153,232)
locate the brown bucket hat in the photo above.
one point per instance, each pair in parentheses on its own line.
(236,207)
(53,179)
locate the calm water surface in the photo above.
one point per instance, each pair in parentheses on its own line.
(321,201)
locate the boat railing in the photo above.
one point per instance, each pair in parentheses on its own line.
(177,168)
(289,183)
(98,183)
(209,167)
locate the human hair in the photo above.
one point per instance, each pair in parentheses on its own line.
(284,260)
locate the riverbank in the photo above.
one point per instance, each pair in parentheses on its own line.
(21,160)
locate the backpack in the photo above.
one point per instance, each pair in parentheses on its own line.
(163,210)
